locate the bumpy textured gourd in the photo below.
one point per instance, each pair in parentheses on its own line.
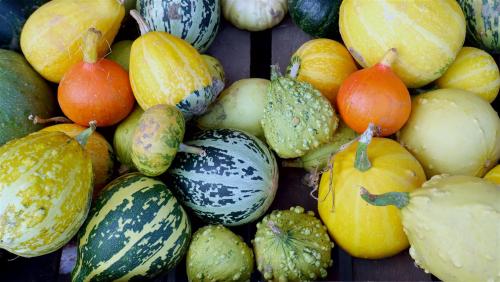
(452,224)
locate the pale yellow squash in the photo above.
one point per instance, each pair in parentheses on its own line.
(51,37)
(474,70)
(325,64)
(428,34)
(494,175)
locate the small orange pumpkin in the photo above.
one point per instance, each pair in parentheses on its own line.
(95,89)
(375,95)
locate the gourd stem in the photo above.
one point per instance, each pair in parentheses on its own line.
(83,137)
(90,42)
(192,150)
(122,2)
(295,67)
(361,162)
(144,28)
(275,72)
(389,57)
(293,163)
(275,229)
(398,199)
(39,120)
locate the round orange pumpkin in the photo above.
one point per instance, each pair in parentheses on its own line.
(95,89)
(375,95)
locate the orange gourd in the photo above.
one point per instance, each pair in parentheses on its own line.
(95,89)
(375,95)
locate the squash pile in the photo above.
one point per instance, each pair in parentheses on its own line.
(393,171)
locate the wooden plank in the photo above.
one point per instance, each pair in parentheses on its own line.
(43,268)
(286,39)
(396,268)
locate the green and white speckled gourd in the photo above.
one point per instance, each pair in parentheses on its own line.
(297,118)
(291,245)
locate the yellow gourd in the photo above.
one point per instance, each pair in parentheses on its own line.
(428,35)
(325,64)
(380,165)
(165,69)
(494,175)
(51,38)
(474,70)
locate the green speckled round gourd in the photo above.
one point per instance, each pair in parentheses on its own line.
(297,118)
(291,245)
(217,254)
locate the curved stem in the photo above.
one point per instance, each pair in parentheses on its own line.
(275,72)
(294,67)
(361,161)
(90,43)
(293,163)
(83,137)
(140,21)
(192,150)
(275,229)
(398,199)
(389,57)
(38,120)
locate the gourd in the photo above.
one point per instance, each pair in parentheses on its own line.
(375,95)
(292,109)
(157,138)
(217,254)
(120,53)
(319,18)
(474,70)
(240,106)
(190,87)
(482,23)
(378,164)
(23,92)
(254,15)
(136,230)
(99,150)
(466,142)
(196,21)
(95,89)
(233,184)
(452,224)
(494,175)
(427,34)
(215,68)
(325,64)
(51,37)
(122,138)
(46,183)
(292,245)
(13,16)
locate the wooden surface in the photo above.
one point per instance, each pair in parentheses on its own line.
(244,55)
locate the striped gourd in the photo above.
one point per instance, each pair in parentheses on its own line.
(427,35)
(45,192)
(51,37)
(483,23)
(136,230)
(196,21)
(473,70)
(233,184)
(165,69)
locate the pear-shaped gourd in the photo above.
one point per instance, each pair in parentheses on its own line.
(452,224)
(157,138)
(122,139)
(46,185)
(297,118)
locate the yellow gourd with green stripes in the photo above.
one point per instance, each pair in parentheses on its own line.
(473,70)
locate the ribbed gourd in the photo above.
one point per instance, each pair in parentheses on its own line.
(292,245)
(46,183)
(165,69)
(122,139)
(294,108)
(452,224)
(51,37)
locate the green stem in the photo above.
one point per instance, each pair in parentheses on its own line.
(361,162)
(293,69)
(389,57)
(398,199)
(275,229)
(192,150)
(39,120)
(143,27)
(275,72)
(122,2)
(83,137)
(90,43)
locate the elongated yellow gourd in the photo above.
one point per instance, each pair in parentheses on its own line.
(428,35)
(51,37)
(165,69)
(45,192)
